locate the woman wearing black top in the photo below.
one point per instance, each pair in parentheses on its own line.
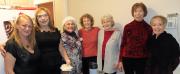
(163,47)
(48,41)
(22,55)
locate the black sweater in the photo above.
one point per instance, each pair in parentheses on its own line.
(164,49)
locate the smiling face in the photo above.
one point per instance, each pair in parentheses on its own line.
(138,14)
(107,23)
(158,26)
(69,26)
(24,27)
(43,18)
(87,23)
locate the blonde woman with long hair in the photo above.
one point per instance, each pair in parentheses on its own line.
(22,54)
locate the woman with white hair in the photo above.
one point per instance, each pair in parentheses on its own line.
(108,46)
(72,44)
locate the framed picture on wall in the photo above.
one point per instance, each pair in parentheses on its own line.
(8,25)
(172,21)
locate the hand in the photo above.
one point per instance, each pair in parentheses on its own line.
(68,62)
(120,66)
(116,66)
(2,50)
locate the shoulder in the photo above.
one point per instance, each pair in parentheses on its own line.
(57,30)
(101,30)
(117,30)
(80,30)
(11,41)
(96,28)
(63,34)
(11,46)
(129,25)
(169,36)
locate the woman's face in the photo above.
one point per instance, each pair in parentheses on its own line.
(24,27)
(158,26)
(107,23)
(138,14)
(69,26)
(87,22)
(43,18)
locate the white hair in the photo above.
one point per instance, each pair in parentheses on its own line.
(69,18)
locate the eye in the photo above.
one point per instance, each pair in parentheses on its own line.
(153,25)
(24,25)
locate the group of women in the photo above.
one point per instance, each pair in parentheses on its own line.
(42,49)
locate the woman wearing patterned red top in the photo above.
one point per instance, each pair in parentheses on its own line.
(133,47)
(89,35)
(108,46)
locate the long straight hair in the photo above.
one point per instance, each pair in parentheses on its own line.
(16,36)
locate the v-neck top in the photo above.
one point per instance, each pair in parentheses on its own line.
(26,62)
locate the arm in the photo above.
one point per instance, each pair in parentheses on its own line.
(123,43)
(64,53)
(2,50)
(9,63)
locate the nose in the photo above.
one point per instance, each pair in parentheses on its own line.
(27,28)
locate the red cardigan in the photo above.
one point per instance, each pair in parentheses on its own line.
(134,40)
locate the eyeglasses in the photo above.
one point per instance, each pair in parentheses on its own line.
(43,15)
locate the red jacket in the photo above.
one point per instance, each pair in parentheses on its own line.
(134,40)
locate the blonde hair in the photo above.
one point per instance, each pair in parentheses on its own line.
(163,19)
(15,33)
(108,16)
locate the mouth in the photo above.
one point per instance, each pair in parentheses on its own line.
(43,21)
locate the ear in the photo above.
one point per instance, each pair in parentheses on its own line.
(16,27)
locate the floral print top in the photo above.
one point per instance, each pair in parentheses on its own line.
(73,48)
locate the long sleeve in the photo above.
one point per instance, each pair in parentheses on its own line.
(123,43)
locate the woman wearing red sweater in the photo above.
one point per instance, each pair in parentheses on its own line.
(133,52)
(89,35)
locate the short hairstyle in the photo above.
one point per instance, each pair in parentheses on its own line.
(51,20)
(87,16)
(108,16)
(69,18)
(137,5)
(163,19)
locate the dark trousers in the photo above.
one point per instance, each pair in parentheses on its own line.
(134,66)
(86,63)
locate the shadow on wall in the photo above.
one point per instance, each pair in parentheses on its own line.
(119,27)
(150,14)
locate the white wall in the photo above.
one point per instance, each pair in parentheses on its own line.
(41,1)
(17,2)
(60,12)
(121,10)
